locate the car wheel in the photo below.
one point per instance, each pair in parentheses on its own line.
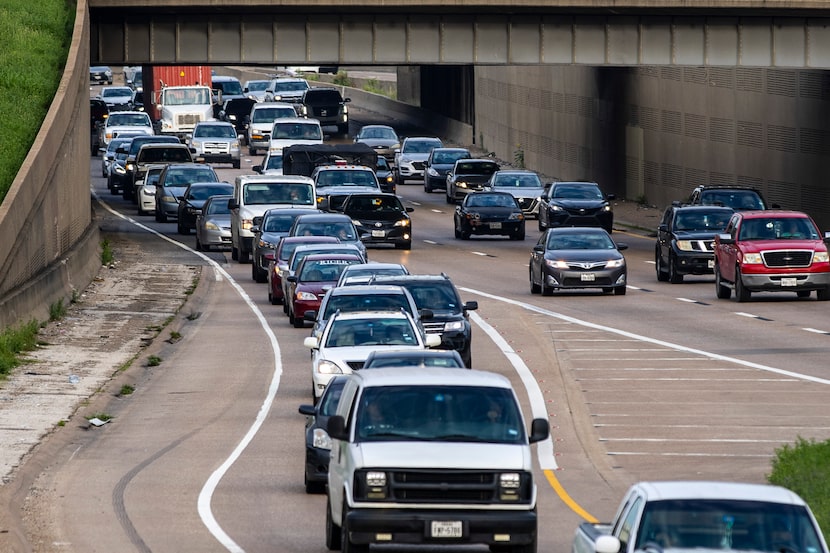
(546,290)
(674,276)
(298,322)
(456,231)
(198,245)
(343,129)
(237,164)
(234,253)
(427,186)
(823,294)
(534,288)
(162,216)
(260,276)
(183,229)
(662,274)
(251,151)
(620,290)
(721,290)
(272,297)
(332,530)
(313,487)
(403,245)
(450,197)
(741,293)
(244,256)
(463,234)
(518,235)
(157,216)
(141,211)
(803,293)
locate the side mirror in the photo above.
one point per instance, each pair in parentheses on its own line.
(471,306)
(622,246)
(539,430)
(337,428)
(433,340)
(607,544)
(346,100)
(538,248)
(410,209)
(310,315)
(255,229)
(257,221)
(233,204)
(725,238)
(425,314)
(308,410)
(311,342)
(610,196)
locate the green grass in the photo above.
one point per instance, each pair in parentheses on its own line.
(106,252)
(13,342)
(36,38)
(805,469)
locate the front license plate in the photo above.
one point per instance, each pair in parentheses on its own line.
(446,529)
(495,226)
(711,263)
(378,233)
(789,282)
(587,277)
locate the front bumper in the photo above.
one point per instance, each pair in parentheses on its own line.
(785,282)
(410,526)
(317,464)
(575,279)
(507,228)
(694,263)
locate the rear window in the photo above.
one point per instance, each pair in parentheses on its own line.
(366,302)
(323,97)
(476,168)
(165,155)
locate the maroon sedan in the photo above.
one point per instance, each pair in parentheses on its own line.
(285,248)
(313,278)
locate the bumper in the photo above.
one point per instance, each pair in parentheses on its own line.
(317,464)
(788,282)
(411,171)
(216,238)
(499,229)
(169,209)
(220,158)
(605,279)
(397,235)
(695,263)
(408,526)
(439,181)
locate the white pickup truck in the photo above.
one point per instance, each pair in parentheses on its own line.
(671,516)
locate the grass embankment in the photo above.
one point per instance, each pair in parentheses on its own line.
(805,469)
(14,342)
(36,39)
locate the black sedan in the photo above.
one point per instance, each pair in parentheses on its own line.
(489,213)
(575,204)
(380,219)
(194,198)
(573,258)
(684,240)
(317,441)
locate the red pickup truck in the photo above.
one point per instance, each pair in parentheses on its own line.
(772,251)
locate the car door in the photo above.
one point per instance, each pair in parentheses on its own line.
(537,259)
(664,232)
(726,254)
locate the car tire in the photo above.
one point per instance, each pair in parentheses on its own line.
(518,235)
(162,216)
(803,293)
(403,245)
(333,534)
(662,274)
(298,322)
(450,198)
(542,227)
(198,245)
(427,186)
(823,294)
(620,290)
(252,151)
(273,298)
(741,293)
(721,290)
(234,253)
(259,275)
(313,487)
(182,229)
(463,234)
(244,256)
(343,129)
(546,290)
(236,164)
(534,288)
(674,276)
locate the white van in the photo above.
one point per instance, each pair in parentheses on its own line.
(297,130)
(253,195)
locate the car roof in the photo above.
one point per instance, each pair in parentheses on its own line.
(323,217)
(329,255)
(576,230)
(311,240)
(270,177)
(368,289)
(683,489)
(217,123)
(223,78)
(295,120)
(430,376)
(767,213)
(575,183)
(706,208)
(157,145)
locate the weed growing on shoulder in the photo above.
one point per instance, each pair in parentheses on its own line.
(153,361)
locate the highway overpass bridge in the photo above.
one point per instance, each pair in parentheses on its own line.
(743,33)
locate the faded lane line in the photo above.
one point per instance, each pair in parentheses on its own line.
(206,494)
(544,449)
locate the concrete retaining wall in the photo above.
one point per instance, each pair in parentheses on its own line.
(49,245)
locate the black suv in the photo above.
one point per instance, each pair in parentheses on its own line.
(98,112)
(684,240)
(739,198)
(126,174)
(438,294)
(575,204)
(327,106)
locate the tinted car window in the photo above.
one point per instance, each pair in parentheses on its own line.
(323,97)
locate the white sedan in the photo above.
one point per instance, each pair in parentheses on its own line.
(349,338)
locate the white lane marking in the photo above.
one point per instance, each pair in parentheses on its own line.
(430,242)
(687,300)
(544,449)
(479,253)
(206,494)
(627,334)
(815,330)
(436,211)
(748,315)
(688,440)
(669,454)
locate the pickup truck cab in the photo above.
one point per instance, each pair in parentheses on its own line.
(253,195)
(771,251)
(704,516)
(433,456)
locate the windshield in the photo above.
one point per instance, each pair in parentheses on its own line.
(374,204)
(268,115)
(585,241)
(727,525)
(128,120)
(290,86)
(277,193)
(370,332)
(278,222)
(439,413)
(464,168)
(183,177)
(517,181)
(437,296)
(232,88)
(415,360)
(577,193)
(346,177)
(774,228)
(365,302)
(185,96)
(205,192)
(449,157)
(214,131)
(296,131)
(119,91)
(274,162)
(218,207)
(491,200)
(702,220)
(343,231)
(736,199)
(420,146)
(324,270)
(257,86)
(378,132)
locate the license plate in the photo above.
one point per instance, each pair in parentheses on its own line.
(711,263)
(378,233)
(587,277)
(446,529)
(789,282)
(495,226)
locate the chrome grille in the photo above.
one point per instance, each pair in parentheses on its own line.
(788,258)
(433,328)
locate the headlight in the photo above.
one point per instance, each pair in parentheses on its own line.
(232,117)
(752,258)
(509,485)
(210,225)
(130,167)
(556,263)
(247,224)
(454,325)
(606,208)
(266,244)
(235,145)
(684,245)
(305,296)
(820,257)
(168,199)
(516,217)
(614,263)
(461,184)
(196,144)
(556,207)
(432,172)
(402,223)
(320,439)
(328,367)
(149,190)
(376,485)
(357,223)
(119,169)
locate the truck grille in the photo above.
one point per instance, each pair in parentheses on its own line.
(788,258)
(217,148)
(433,328)
(189,119)
(449,486)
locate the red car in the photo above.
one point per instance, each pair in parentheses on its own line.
(313,278)
(772,251)
(285,248)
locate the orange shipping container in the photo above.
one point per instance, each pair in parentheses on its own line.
(157,76)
